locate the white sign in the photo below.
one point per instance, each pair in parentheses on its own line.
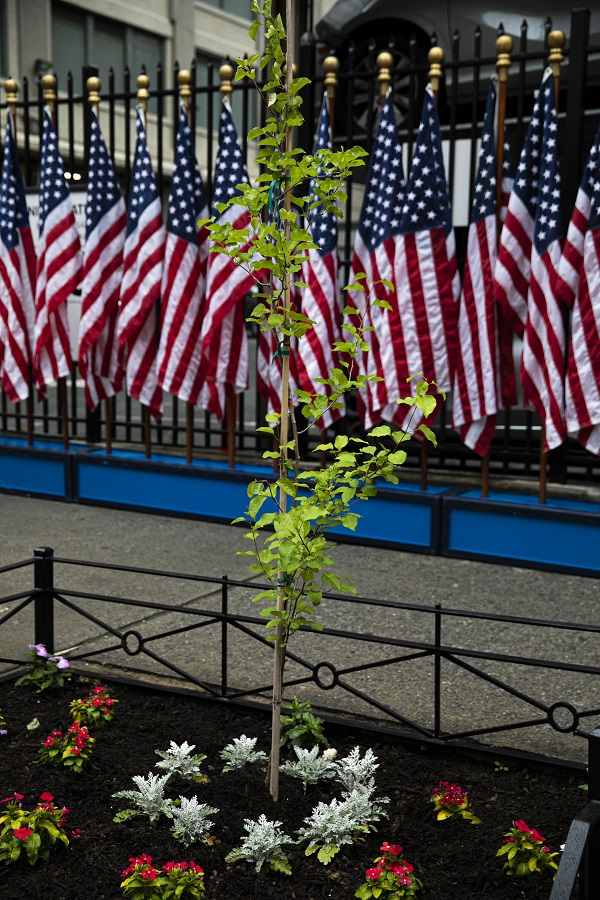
(78,198)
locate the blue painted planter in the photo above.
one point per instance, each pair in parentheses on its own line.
(562,535)
(42,470)
(404,517)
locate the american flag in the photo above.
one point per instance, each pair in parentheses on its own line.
(528,257)
(142,277)
(184,276)
(17,276)
(223,336)
(484,370)
(102,273)
(425,268)
(579,286)
(59,264)
(374,253)
(320,301)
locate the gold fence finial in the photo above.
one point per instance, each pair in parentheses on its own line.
(504,45)
(331,65)
(12,89)
(435,58)
(184,80)
(226,74)
(143,83)
(49,86)
(385,61)
(556,41)
(93,86)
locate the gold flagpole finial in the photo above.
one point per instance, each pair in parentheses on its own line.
(435,58)
(12,89)
(226,74)
(184,80)
(556,41)
(93,86)
(143,94)
(49,87)
(331,64)
(385,61)
(504,45)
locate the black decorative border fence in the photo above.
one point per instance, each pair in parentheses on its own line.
(515,451)
(581,858)
(50,594)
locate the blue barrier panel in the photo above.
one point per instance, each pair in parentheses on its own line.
(515,528)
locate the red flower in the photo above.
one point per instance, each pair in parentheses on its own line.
(22,833)
(46,797)
(373,874)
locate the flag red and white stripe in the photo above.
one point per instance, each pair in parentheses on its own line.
(59,264)
(484,372)
(319,302)
(224,345)
(102,274)
(184,276)
(142,277)
(578,285)
(17,277)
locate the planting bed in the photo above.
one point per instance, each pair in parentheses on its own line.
(453,859)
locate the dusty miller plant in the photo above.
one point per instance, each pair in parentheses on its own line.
(240,753)
(178,760)
(301,507)
(332,824)
(149,799)
(353,772)
(263,844)
(309,767)
(190,820)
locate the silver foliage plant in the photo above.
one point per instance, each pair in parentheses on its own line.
(353,772)
(178,760)
(149,799)
(309,767)
(332,824)
(190,820)
(263,844)
(240,753)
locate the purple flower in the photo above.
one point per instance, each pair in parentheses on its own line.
(61,662)
(40,649)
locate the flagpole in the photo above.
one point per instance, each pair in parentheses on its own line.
(331,65)
(556,41)
(12,88)
(93,86)
(226,88)
(184,79)
(49,86)
(142,94)
(504,45)
(435,58)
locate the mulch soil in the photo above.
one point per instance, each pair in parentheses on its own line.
(453,859)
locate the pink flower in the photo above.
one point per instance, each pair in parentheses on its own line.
(373,874)
(22,833)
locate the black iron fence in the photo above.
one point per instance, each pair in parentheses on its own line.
(515,450)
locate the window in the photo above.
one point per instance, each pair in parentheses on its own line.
(237,7)
(80,38)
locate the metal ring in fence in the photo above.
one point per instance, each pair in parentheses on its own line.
(325,685)
(132,651)
(562,705)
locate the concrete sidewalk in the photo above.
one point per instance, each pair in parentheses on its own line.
(185,546)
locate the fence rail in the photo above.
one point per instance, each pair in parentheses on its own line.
(515,451)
